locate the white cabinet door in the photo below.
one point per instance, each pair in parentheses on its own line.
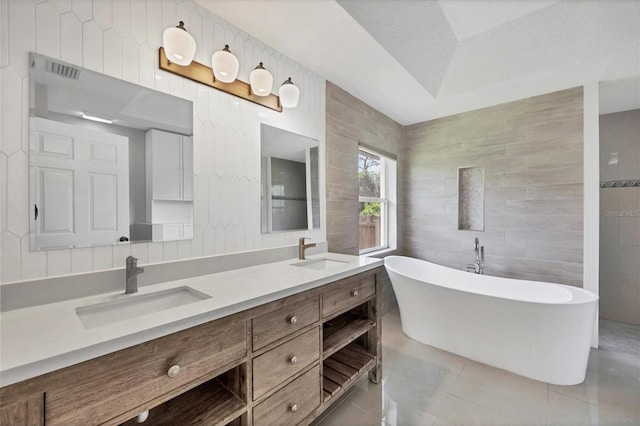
(187,231)
(165,150)
(80,185)
(167,232)
(187,171)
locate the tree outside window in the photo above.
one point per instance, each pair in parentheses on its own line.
(372,226)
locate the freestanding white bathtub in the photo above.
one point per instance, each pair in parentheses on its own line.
(535,329)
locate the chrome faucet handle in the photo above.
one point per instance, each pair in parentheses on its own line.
(132,261)
(476,244)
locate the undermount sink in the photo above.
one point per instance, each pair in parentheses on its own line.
(318,264)
(132,306)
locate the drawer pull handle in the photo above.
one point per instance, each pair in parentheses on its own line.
(293,407)
(293,320)
(142,417)
(174,370)
(293,359)
(355,293)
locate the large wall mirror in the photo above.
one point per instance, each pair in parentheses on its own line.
(290,182)
(110,162)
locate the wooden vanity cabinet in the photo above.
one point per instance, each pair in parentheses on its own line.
(114,387)
(28,411)
(283,362)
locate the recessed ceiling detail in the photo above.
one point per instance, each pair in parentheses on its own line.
(415,33)
(582,35)
(472,17)
(416,60)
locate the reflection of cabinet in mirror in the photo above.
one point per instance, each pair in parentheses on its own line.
(169,192)
(169,166)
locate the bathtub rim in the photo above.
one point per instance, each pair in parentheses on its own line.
(585,296)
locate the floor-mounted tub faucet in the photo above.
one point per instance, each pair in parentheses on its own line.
(132,275)
(478,263)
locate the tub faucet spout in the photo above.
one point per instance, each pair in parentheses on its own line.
(478,263)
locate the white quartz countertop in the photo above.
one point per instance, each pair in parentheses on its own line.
(41,339)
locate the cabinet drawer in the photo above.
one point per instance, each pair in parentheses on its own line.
(347,293)
(100,389)
(277,365)
(275,325)
(291,404)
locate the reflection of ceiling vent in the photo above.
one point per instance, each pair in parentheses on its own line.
(62,70)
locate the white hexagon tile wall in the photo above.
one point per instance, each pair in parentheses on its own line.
(121,38)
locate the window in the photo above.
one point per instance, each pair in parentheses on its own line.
(377,197)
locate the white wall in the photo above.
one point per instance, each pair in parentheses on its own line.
(121,38)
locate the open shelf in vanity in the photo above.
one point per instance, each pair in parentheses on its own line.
(350,340)
(342,330)
(215,402)
(344,368)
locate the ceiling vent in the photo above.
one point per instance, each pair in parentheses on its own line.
(62,70)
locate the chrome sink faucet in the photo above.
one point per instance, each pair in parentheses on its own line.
(132,275)
(478,263)
(302,247)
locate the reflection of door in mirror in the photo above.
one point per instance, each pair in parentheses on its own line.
(79,180)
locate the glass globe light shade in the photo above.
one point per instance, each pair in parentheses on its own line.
(179,45)
(225,65)
(289,94)
(261,81)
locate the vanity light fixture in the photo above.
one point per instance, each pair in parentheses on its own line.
(94,117)
(179,45)
(261,81)
(289,94)
(225,65)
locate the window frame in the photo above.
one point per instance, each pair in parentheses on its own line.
(388,166)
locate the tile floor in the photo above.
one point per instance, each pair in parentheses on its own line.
(422,385)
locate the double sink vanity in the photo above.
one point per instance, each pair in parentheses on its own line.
(271,344)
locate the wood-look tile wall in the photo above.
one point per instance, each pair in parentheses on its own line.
(620,218)
(350,122)
(532,151)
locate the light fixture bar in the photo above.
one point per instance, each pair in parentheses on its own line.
(203,74)
(96,118)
